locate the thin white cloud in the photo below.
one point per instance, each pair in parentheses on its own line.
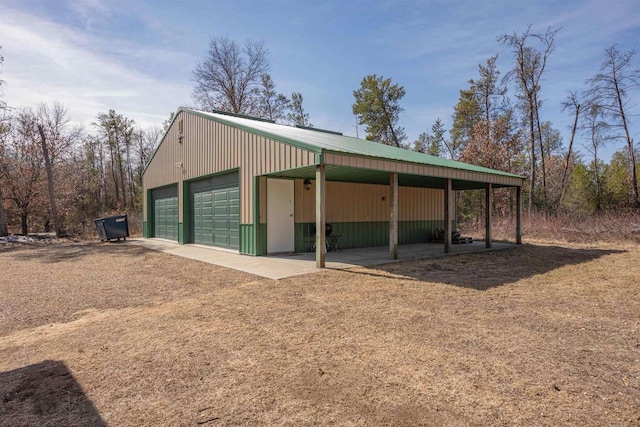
(46,62)
(91,11)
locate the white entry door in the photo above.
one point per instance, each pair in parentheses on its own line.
(280,221)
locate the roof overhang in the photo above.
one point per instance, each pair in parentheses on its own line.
(373,170)
(369,176)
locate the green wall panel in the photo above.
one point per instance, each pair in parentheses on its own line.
(253,239)
(367,234)
(247,239)
(304,236)
(145,229)
(416,231)
(261,239)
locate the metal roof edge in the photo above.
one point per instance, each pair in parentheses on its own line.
(269,135)
(451,164)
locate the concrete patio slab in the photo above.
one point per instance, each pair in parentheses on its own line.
(295,264)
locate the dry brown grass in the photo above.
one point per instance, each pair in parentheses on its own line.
(610,227)
(538,335)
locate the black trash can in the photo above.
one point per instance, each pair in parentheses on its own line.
(112,227)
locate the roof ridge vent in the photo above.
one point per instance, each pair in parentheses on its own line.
(333,132)
(242,116)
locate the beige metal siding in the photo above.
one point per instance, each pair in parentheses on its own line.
(210,147)
(353,202)
(418,204)
(417,169)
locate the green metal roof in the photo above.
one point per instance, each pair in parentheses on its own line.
(321,141)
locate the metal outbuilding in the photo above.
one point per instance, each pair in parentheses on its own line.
(257,187)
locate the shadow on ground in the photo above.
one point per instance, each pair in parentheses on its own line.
(52,253)
(45,394)
(486,270)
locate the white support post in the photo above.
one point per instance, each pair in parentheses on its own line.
(393,220)
(321,220)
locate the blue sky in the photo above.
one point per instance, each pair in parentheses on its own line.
(137,56)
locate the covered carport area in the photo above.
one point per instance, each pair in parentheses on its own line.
(341,167)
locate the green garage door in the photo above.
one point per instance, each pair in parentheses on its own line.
(216,211)
(165,213)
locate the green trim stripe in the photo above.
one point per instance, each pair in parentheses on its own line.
(367,234)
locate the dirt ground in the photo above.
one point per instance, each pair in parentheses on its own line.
(115,334)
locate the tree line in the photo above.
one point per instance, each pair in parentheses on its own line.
(493,130)
(60,176)
(489,128)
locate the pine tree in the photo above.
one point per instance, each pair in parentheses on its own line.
(297,116)
(271,105)
(377,104)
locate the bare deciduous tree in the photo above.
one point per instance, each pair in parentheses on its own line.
(3,217)
(3,214)
(527,73)
(227,77)
(571,103)
(595,129)
(56,139)
(609,89)
(21,166)
(49,169)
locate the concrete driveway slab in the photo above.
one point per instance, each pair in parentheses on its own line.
(295,264)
